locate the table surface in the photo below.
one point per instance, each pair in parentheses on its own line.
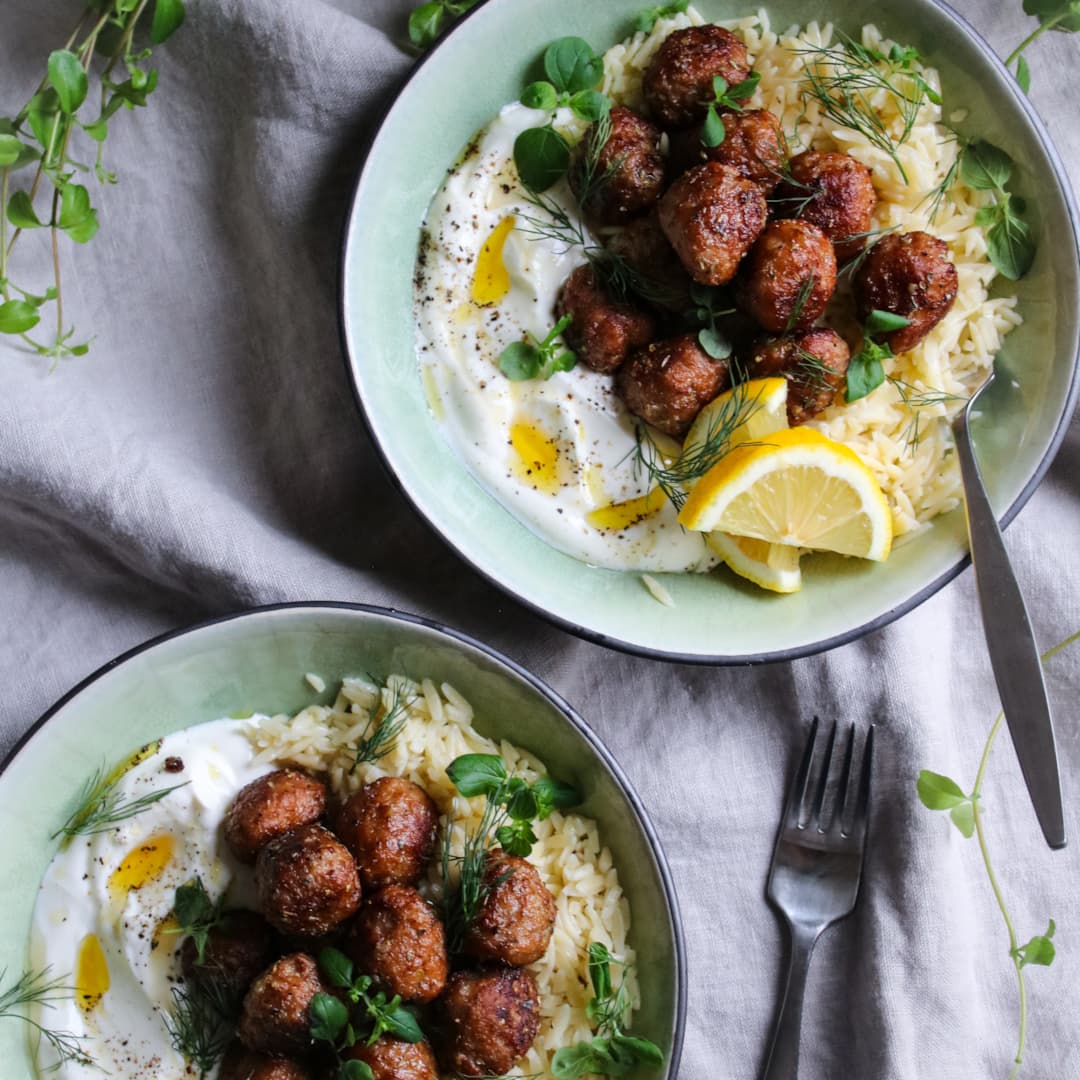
(207,456)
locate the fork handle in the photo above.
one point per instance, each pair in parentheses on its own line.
(783,1060)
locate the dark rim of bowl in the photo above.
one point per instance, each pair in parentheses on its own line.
(564,707)
(700,659)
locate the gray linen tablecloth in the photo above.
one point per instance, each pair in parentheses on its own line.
(207,456)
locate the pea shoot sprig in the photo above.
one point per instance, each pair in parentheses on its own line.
(711,305)
(196,915)
(41,133)
(613,1052)
(965,810)
(985,167)
(727,97)
(511,806)
(1062,15)
(37,989)
(538,359)
(331,1015)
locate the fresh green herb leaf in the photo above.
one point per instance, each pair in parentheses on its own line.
(336,966)
(645,20)
(385,724)
(522,804)
(866,371)
(883,322)
(328,1017)
(520,361)
(590,105)
(600,970)
(100,807)
(937,792)
(1039,950)
(517,838)
(540,95)
(196,915)
(11,149)
(637,1051)
(985,167)
(68,79)
(541,156)
(963,817)
(713,131)
(797,308)
(403,1025)
(355,1070)
(1023,74)
(168,18)
(20,211)
(18,316)
(477,774)
(715,343)
(1010,245)
(37,990)
(77,218)
(426,23)
(532,359)
(202,1023)
(551,795)
(571,65)
(1054,14)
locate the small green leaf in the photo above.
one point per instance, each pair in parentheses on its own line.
(986,216)
(866,372)
(336,967)
(563,361)
(637,1051)
(741,91)
(41,112)
(522,805)
(403,1025)
(715,343)
(984,166)
(1010,246)
(10,150)
(77,218)
(1023,73)
(540,95)
(477,774)
(517,838)
(355,1070)
(20,211)
(18,316)
(600,970)
(713,132)
(552,795)
(883,322)
(1052,9)
(937,792)
(542,157)
(426,23)
(645,20)
(328,1016)
(520,361)
(571,65)
(98,131)
(168,18)
(590,105)
(963,817)
(68,79)
(1039,950)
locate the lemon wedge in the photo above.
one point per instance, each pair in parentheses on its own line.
(756,408)
(799,489)
(771,566)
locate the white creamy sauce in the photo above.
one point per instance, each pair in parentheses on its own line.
(105,901)
(555,453)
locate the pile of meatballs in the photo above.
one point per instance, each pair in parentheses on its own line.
(354,888)
(740,214)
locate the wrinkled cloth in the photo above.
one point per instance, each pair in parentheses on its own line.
(207,456)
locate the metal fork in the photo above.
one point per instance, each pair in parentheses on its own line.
(815,874)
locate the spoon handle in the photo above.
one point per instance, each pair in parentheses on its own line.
(1014,655)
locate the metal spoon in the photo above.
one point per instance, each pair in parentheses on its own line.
(1014,655)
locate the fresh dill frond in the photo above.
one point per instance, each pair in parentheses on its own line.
(805,290)
(673,477)
(811,371)
(916,398)
(202,1023)
(37,988)
(938,196)
(843,78)
(871,235)
(100,806)
(791,205)
(384,727)
(590,179)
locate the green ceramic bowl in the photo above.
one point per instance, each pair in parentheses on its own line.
(481,65)
(258,661)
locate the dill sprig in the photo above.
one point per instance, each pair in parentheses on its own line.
(801,298)
(384,726)
(916,398)
(674,477)
(37,988)
(938,196)
(101,807)
(811,371)
(844,78)
(202,1023)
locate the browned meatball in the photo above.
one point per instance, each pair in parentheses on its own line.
(908,274)
(389,825)
(274,1019)
(627,175)
(754,146)
(678,83)
(670,382)
(516,920)
(270,806)
(603,330)
(814,363)
(243,1064)
(712,216)
(398,940)
(774,278)
(492,1018)
(392,1059)
(237,949)
(663,278)
(307,881)
(833,192)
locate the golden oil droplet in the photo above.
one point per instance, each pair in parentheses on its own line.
(537,461)
(141,866)
(91,973)
(491,281)
(621,515)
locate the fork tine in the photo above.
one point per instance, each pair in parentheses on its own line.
(797,791)
(823,781)
(862,806)
(843,792)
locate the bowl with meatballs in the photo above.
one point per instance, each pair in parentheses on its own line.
(661,324)
(323,842)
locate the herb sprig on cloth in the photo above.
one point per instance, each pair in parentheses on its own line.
(40,134)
